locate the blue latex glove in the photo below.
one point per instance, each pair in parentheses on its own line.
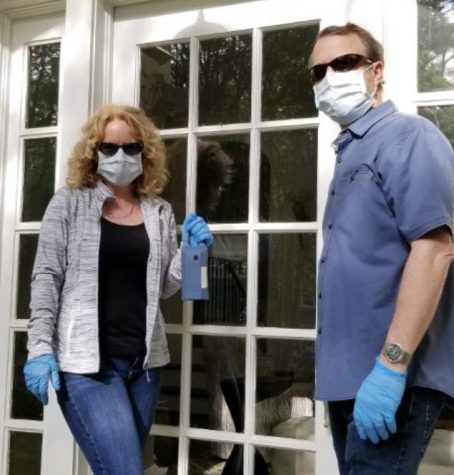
(37,372)
(377,401)
(197,230)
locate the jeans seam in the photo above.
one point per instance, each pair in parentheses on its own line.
(87,432)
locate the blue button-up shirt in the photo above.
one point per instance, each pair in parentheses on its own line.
(392,184)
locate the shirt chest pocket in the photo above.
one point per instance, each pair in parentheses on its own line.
(363,172)
(356,183)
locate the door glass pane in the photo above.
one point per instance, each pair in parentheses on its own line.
(435,45)
(217,383)
(168,410)
(442,117)
(23,404)
(164,82)
(39,177)
(288,173)
(172,308)
(161,455)
(42,100)
(225,80)
(27,250)
(286,293)
(175,191)
(215,458)
(285,388)
(227,283)
(286,86)
(223,178)
(289,462)
(24,453)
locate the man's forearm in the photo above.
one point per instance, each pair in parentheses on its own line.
(420,289)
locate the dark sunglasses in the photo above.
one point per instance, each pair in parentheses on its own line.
(346,62)
(111,149)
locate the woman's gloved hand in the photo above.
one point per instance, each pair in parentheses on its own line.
(37,372)
(377,401)
(197,230)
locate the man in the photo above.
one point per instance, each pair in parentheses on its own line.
(385,352)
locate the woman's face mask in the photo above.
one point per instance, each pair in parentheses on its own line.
(343,96)
(120,169)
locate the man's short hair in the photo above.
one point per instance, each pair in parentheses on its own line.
(374,49)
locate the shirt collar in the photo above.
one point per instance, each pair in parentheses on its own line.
(364,123)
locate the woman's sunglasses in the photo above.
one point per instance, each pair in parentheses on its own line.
(344,63)
(110,149)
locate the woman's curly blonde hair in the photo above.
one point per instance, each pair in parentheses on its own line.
(83,162)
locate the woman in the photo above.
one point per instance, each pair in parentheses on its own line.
(107,253)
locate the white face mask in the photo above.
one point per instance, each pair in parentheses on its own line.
(343,96)
(120,169)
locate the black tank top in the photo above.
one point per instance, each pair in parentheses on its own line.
(122,296)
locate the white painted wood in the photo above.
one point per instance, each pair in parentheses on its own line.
(24,31)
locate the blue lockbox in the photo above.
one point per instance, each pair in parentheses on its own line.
(194,267)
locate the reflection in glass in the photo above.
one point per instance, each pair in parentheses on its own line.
(217,383)
(168,410)
(164,83)
(291,462)
(286,293)
(175,191)
(227,283)
(442,117)
(24,453)
(286,86)
(24,405)
(42,100)
(435,45)
(161,455)
(203,458)
(225,80)
(39,177)
(27,250)
(288,190)
(285,388)
(223,178)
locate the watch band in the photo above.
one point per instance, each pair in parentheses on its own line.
(395,354)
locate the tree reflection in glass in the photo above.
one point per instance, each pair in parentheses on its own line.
(435,45)
(42,100)
(286,86)
(225,80)
(164,84)
(39,177)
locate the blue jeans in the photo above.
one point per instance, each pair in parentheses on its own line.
(401,454)
(110,413)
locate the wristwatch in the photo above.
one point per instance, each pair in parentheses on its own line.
(395,354)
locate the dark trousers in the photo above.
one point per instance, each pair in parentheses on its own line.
(401,454)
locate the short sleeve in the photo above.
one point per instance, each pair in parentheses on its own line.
(417,171)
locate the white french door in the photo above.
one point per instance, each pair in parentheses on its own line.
(229,89)
(33,439)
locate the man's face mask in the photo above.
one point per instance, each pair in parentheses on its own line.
(343,96)
(120,165)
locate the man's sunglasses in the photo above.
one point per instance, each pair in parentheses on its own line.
(346,62)
(110,149)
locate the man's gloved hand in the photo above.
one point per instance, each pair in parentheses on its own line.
(377,401)
(37,372)
(197,230)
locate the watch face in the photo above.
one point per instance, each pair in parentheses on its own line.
(394,352)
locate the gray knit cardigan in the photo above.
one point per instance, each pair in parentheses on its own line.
(64,292)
